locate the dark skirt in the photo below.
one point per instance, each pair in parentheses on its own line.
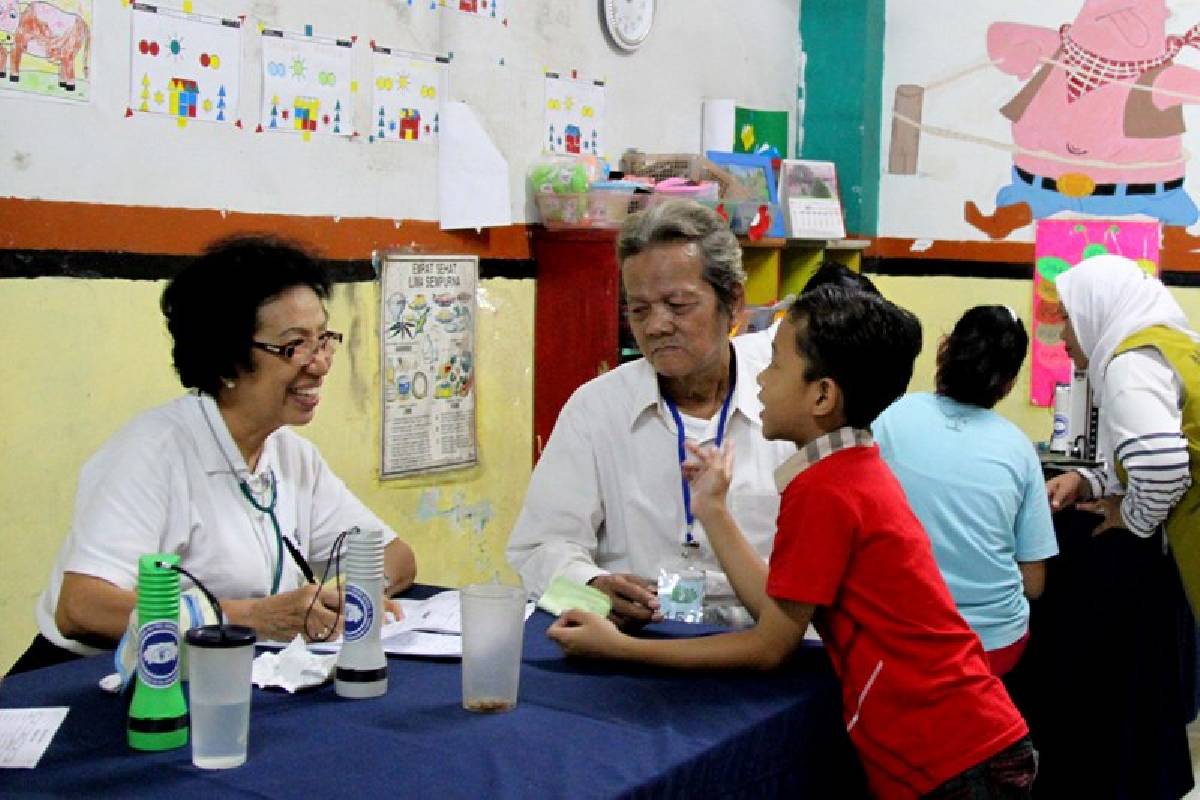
(1108,682)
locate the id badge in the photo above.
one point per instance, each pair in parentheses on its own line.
(681,592)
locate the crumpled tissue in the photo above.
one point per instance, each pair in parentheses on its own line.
(293,667)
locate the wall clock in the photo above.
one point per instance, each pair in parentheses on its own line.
(628,22)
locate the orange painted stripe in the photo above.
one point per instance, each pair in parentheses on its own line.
(1002,252)
(1177,253)
(71,226)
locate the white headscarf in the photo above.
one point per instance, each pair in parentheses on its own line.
(1109,298)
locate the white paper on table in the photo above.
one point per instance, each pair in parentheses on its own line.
(25,733)
(431,627)
(472,173)
(716,125)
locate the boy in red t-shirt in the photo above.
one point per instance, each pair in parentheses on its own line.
(920,703)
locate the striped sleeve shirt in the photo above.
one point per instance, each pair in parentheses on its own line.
(1141,429)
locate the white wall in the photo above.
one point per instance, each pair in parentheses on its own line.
(928,41)
(698,48)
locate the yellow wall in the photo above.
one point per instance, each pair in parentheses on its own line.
(85,356)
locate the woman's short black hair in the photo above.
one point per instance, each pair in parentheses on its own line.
(212,304)
(980,358)
(861,341)
(834,273)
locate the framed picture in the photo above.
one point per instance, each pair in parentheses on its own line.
(808,193)
(756,177)
(816,180)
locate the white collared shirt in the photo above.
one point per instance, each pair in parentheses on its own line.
(163,484)
(607,497)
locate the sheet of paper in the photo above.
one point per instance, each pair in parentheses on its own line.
(25,733)
(431,627)
(472,174)
(716,121)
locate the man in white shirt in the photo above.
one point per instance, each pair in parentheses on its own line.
(606,504)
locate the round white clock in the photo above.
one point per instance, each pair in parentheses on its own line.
(628,21)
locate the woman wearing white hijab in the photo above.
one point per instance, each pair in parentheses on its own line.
(1143,362)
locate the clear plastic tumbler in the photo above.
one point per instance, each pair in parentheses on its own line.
(493,628)
(219,664)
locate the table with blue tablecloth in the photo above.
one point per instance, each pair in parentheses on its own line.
(581,729)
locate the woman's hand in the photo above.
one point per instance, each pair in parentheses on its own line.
(280,617)
(1107,507)
(1064,490)
(581,633)
(709,471)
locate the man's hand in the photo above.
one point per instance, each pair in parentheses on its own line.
(1064,490)
(1107,507)
(634,598)
(581,633)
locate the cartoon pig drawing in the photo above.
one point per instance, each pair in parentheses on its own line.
(1102,136)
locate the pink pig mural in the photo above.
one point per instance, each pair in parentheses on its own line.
(44,30)
(1100,131)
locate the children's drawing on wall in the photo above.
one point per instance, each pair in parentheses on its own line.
(760,131)
(1097,122)
(1059,245)
(574,116)
(45,48)
(406,95)
(184,65)
(306,85)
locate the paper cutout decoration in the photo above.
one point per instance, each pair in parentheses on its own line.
(492,9)
(574,116)
(757,131)
(56,46)
(306,84)
(1059,245)
(184,65)
(406,95)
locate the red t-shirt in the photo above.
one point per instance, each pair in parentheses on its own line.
(918,697)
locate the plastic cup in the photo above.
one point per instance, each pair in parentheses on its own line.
(493,628)
(219,663)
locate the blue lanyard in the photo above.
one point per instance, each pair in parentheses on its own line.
(269,510)
(688,540)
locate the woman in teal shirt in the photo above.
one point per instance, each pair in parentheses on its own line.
(974,480)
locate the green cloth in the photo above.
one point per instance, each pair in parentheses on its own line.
(563,594)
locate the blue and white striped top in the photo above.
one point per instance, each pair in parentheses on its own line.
(1141,429)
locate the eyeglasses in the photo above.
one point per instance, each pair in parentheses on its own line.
(301,352)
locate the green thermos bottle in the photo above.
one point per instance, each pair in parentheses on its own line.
(158,718)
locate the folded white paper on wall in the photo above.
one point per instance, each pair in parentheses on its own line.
(716,125)
(472,173)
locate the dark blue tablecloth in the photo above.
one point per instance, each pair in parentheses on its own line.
(581,729)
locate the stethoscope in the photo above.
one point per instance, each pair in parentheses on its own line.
(268,508)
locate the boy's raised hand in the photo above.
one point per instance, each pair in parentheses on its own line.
(582,633)
(709,471)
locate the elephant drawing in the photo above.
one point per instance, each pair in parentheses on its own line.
(44,30)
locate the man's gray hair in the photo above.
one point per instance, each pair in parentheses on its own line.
(688,221)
